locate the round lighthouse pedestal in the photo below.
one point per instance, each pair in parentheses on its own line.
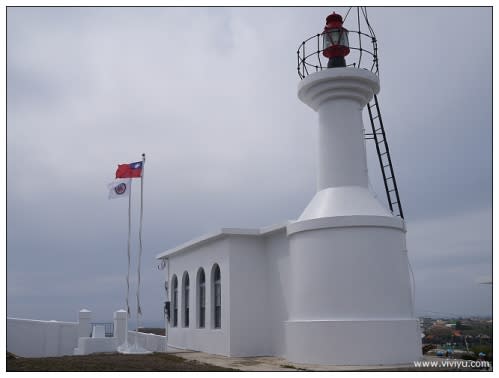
(351,301)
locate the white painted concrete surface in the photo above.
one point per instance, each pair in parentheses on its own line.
(121,326)
(352,301)
(149,341)
(89,345)
(363,342)
(39,338)
(338,95)
(250,329)
(205,256)
(252,311)
(330,288)
(84,320)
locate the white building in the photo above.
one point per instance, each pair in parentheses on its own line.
(331,287)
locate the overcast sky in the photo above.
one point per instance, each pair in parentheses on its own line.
(209,94)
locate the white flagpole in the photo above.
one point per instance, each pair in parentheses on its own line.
(167,334)
(129,232)
(139,310)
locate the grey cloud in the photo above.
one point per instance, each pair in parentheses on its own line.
(209,94)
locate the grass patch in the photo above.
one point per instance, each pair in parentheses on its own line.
(111,362)
(286,366)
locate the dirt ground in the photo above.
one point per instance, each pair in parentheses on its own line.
(188,361)
(109,362)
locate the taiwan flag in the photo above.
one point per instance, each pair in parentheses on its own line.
(131,170)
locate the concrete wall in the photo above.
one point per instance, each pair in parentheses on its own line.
(89,345)
(39,338)
(249,303)
(278,278)
(260,290)
(311,296)
(255,294)
(207,339)
(257,298)
(350,273)
(351,300)
(354,342)
(149,341)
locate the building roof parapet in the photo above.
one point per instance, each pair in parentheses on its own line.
(223,232)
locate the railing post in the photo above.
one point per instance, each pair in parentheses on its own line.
(84,318)
(121,326)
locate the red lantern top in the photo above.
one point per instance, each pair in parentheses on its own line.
(335,37)
(334,21)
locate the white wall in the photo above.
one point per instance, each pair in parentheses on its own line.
(89,345)
(206,339)
(255,289)
(39,338)
(254,295)
(350,273)
(149,341)
(278,278)
(351,301)
(250,312)
(354,342)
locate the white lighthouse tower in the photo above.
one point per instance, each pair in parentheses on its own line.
(351,301)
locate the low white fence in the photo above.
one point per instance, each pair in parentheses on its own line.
(149,341)
(39,338)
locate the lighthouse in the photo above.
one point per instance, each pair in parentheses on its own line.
(352,301)
(330,287)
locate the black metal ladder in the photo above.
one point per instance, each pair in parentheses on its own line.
(385,162)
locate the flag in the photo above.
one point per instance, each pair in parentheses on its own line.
(120,188)
(129,170)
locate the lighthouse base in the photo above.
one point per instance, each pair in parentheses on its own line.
(353,342)
(351,300)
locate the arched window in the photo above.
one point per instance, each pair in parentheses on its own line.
(185,298)
(201,287)
(217,296)
(175,300)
